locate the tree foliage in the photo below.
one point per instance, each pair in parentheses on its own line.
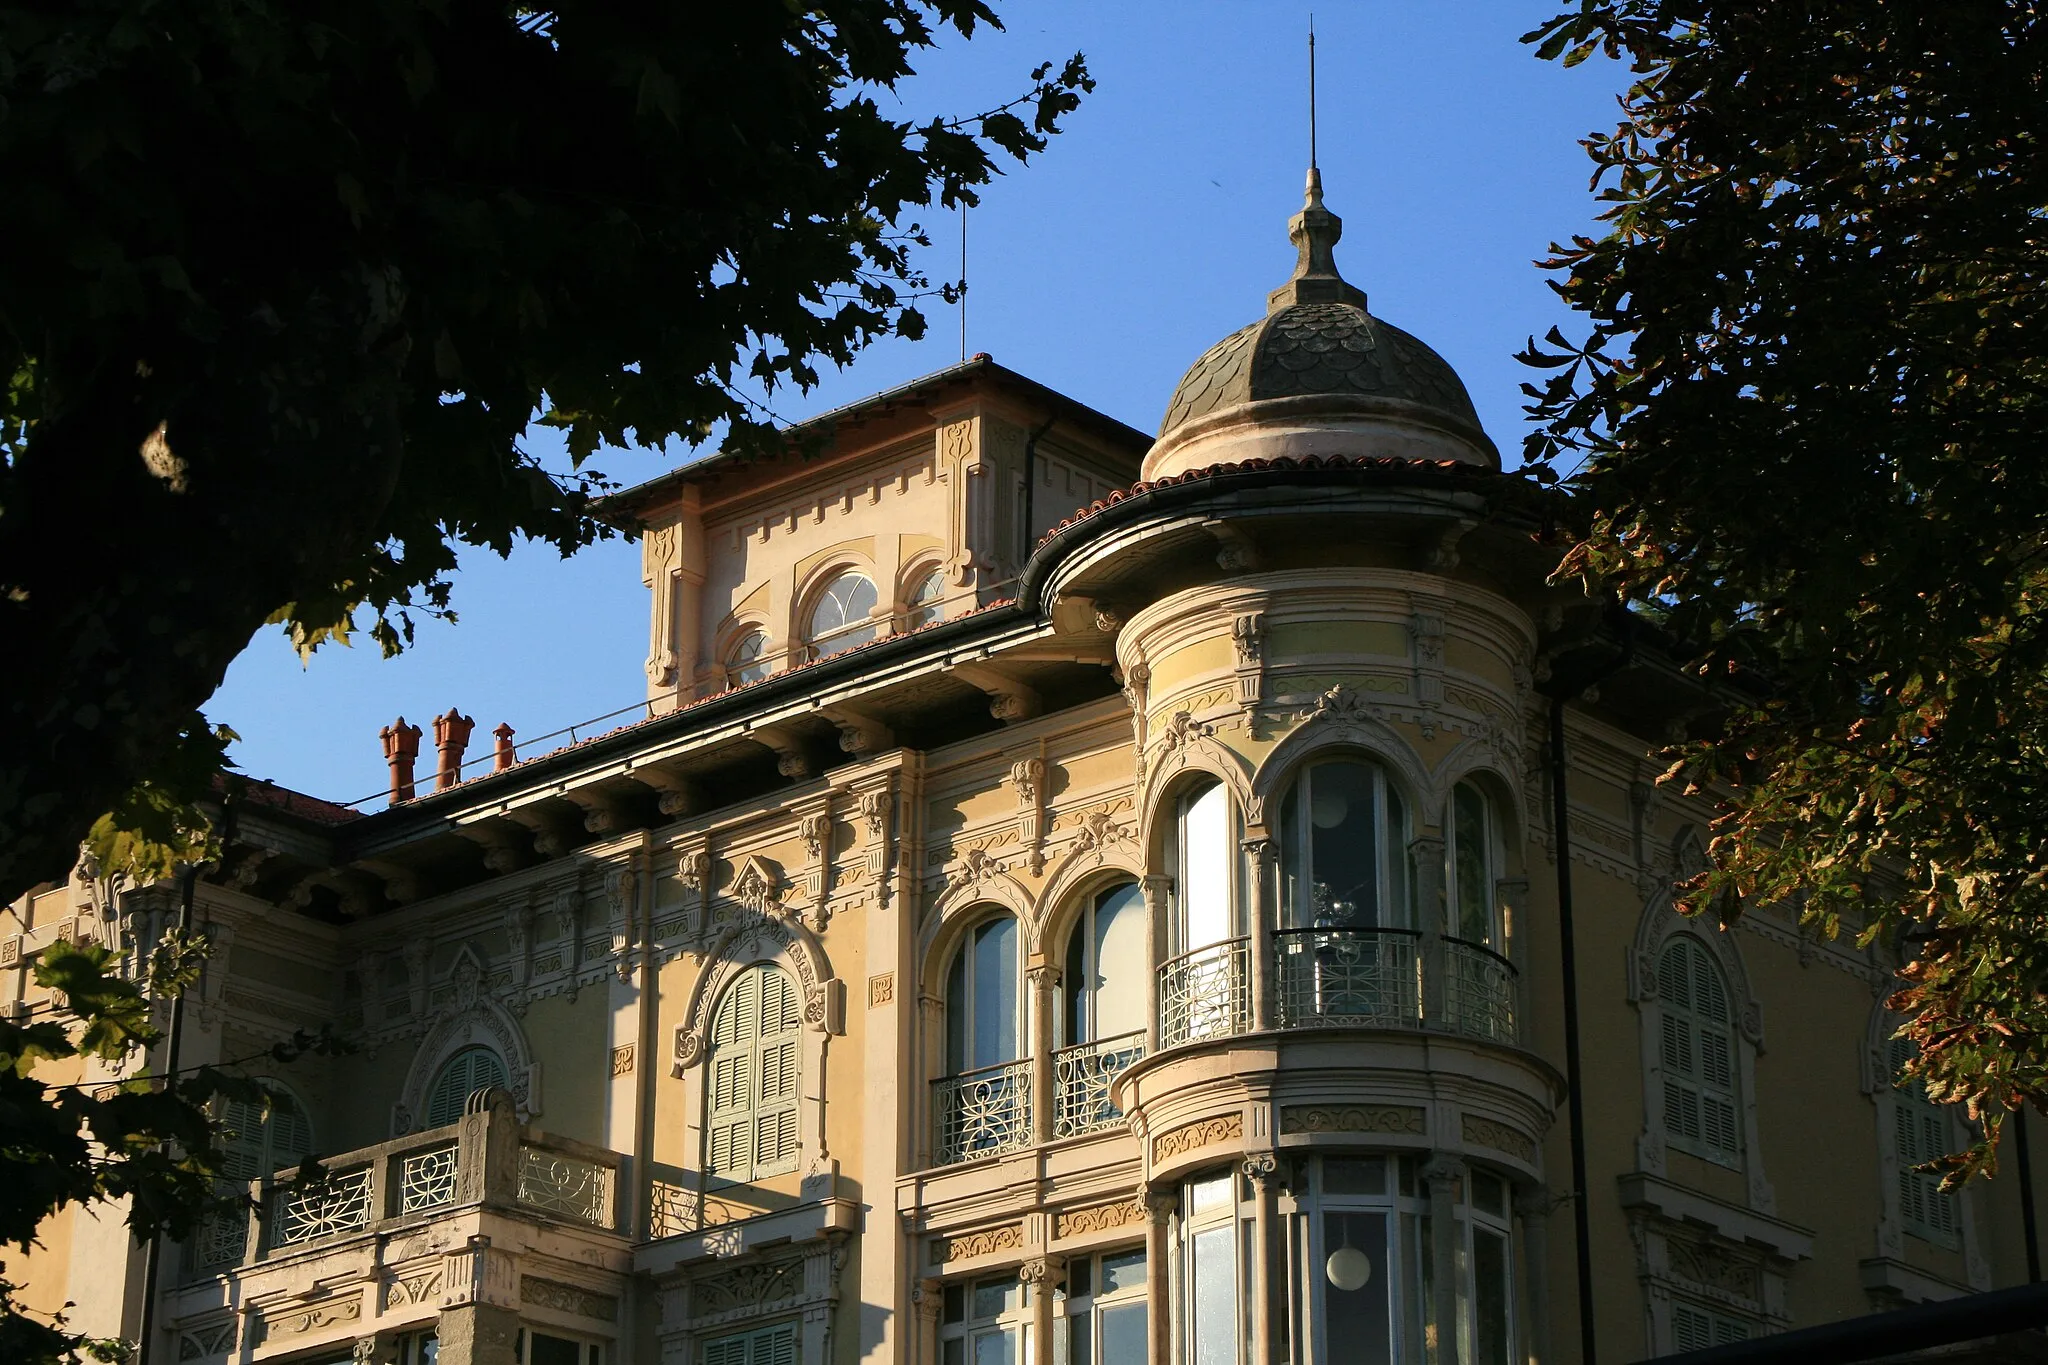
(286,282)
(1806,426)
(147,1140)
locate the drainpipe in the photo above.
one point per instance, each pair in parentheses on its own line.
(1030,487)
(1560,820)
(2019,1125)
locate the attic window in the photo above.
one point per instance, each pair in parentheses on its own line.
(842,616)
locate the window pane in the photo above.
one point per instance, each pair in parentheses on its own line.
(1120,966)
(955,1352)
(1125,1271)
(546,1350)
(1489,1194)
(1490,1297)
(1355,1326)
(996,1348)
(1206,864)
(995,993)
(957,1006)
(1212,1317)
(1078,1279)
(1204,1195)
(1295,910)
(1123,1335)
(993,1298)
(1475,912)
(1365,1175)
(1343,834)
(1074,1340)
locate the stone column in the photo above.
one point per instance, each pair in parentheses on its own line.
(932,1030)
(1042,1279)
(1442,1175)
(1532,1210)
(1163,1331)
(928,1297)
(1426,870)
(1269,1276)
(479,1319)
(1258,850)
(1158,935)
(1045,980)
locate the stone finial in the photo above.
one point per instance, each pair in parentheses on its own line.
(401,747)
(506,755)
(451,737)
(1314,232)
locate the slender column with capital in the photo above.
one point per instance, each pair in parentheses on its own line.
(1426,867)
(1164,1327)
(1045,982)
(928,1296)
(931,1033)
(1258,851)
(1268,1279)
(1042,1279)
(1158,902)
(1442,1175)
(1532,1209)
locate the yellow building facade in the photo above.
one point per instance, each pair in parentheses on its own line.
(1072,896)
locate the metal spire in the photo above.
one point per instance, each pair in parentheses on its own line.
(1311,90)
(1315,230)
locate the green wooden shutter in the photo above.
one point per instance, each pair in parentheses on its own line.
(242,1140)
(1697,1049)
(776,1345)
(751,1083)
(468,1071)
(1920,1133)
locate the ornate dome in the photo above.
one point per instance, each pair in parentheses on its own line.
(1318,375)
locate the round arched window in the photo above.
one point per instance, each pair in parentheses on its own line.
(744,662)
(842,616)
(1343,864)
(926,602)
(468,1071)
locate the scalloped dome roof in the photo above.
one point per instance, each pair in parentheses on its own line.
(1351,382)
(1317,348)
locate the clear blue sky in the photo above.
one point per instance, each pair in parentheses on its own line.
(1153,226)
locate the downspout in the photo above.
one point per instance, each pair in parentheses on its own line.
(1560,821)
(2027,1196)
(1030,487)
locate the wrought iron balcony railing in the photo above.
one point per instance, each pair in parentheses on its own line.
(1205,993)
(1479,991)
(981,1113)
(1367,977)
(1081,1079)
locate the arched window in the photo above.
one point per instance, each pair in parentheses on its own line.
(468,1071)
(751,1080)
(1105,972)
(1698,1053)
(1203,987)
(256,1143)
(1920,1133)
(925,601)
(1472,854)
(1343,855)
(983,999)
(842,615)
(744,662)
(1104,1023)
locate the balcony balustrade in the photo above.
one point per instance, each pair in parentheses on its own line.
(1206,993)
(981,1113)
(1367,977)
(403,1182)
(1081,1080)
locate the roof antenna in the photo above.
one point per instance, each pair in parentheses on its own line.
(1312,90)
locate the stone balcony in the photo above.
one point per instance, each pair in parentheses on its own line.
(485,1214)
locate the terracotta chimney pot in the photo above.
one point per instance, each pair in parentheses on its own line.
(507,755)
(451,737)
(401,747)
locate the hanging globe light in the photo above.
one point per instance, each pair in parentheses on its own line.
(1348,1268)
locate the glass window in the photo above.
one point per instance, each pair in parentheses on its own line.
(842,616)
(750,1078)
(1921,1131)
(260,1139)
(983,998)
(1207,868)
(468,1071)
(532,1347)
(1343,850)
(1104,1318)
(1471,851)
(984,1323)
(1697,1049)
(744,662)
(1209,1279)
(1105,972)
(926,601)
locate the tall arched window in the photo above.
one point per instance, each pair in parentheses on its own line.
(1203,987)
(925,602)
(1472,852)
(751,1079)
(1701,1107)
(468,1071)
(256,1143)
(1343,849)
(842,615)
(983,1000)
(1104,1023)
(1920,1134)
(744,662)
